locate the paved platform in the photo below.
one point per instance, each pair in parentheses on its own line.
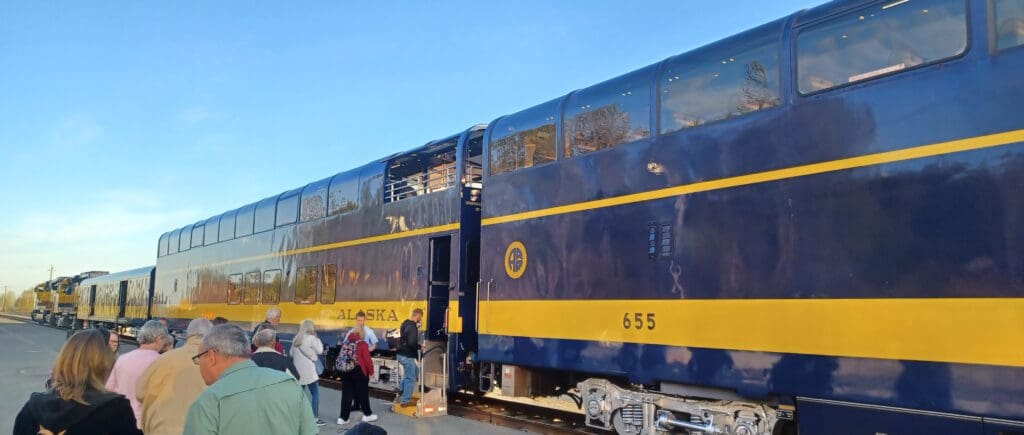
(29,350)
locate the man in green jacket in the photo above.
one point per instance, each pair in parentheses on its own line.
(243,398)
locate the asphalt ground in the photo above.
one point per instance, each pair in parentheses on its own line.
(27,352)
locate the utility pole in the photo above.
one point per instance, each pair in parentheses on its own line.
(51,275)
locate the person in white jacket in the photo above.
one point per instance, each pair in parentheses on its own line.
(306,350)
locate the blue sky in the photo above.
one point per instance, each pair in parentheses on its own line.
(121,120)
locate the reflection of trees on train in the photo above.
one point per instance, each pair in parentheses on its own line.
(757,92)
(523,149)
(600,128)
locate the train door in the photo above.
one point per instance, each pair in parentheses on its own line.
(122,298)
(440,282)
(92,300)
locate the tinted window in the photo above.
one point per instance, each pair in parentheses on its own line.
(329,285)
(212,228)
(173,242)
(243,220)
(288,208)
(608,114)
(197,235)
(265,212)
(227,226)
(879,40)
(162,250)
(524,139)
(314,201)
(344,193)
(305,285)
(251,288)
(1009,23)
(721,82)
(186,239)
(235,288)
(271,287)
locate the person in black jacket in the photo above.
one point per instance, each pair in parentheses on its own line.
(408,352)
(78,402)
(266,356)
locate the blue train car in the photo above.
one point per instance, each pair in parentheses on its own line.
(384,239)
(815,225)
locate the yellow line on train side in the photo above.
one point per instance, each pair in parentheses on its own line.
(951,330)
(959,145)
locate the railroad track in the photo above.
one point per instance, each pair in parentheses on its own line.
(533,419)
(124,338)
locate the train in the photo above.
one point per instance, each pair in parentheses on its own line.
(56,300)
(814,226)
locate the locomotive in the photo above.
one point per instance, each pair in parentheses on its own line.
(813,226)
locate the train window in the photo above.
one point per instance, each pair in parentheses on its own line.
(523,139)
(271,294)
(474,171)
(197,234)
(288,208)
(305,285)
(251,288)
(884,39)
(344,193)
(602,116)
(243,220)
(186,239)
(1009,23)
(162,250)
(213,229)
(426,170)
(234,289)
(314,201)
(329,285)
(264,216)
(173,242)
(227,226)
(721,82)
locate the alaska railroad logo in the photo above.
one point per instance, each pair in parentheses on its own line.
(515,260)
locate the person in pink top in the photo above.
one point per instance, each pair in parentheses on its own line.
(130,366)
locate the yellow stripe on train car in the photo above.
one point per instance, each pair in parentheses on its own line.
(952,330)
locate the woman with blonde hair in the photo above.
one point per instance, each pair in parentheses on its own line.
(306,350)
(78,402)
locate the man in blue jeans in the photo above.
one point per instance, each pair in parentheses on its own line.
(408,351)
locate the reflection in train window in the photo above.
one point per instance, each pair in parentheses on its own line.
(524,139)
(305,285)
(344,193)
(1009,23)
(327,290)
(615,112)
(186,239)
(314,201)
(266,209)
(234,288)
(251,288)
(271,294)
(721,82)
(888,38)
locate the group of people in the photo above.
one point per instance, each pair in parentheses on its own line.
(215,381)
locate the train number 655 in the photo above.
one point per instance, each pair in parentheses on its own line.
(638,320)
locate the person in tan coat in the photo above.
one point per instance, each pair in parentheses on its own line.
(170,385)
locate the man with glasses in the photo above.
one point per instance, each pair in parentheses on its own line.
(243,398)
